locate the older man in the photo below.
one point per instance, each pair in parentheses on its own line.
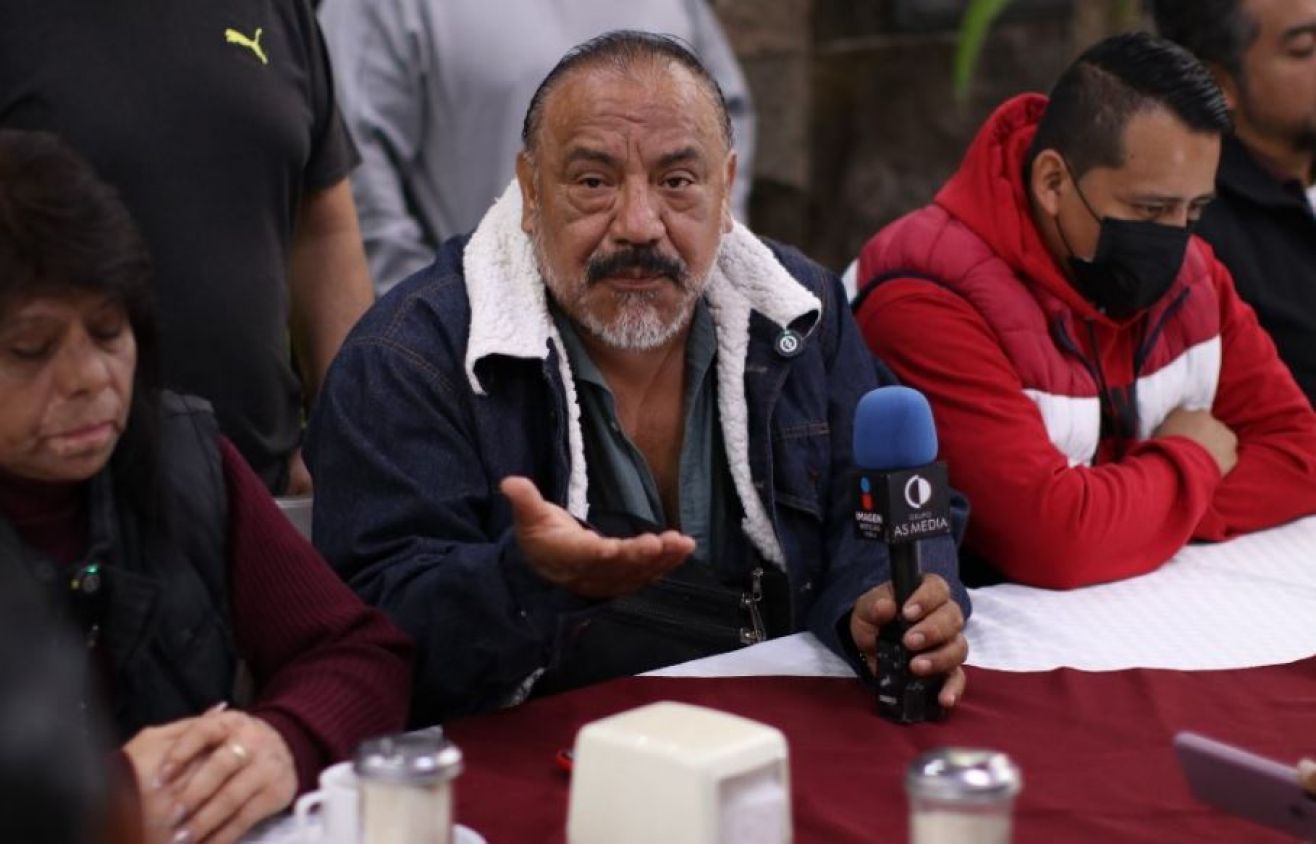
(609,345)
(435,92)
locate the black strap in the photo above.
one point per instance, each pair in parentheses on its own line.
(878,280)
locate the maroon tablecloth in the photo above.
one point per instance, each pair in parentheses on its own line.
(1094,749)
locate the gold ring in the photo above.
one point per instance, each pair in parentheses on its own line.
(239,751)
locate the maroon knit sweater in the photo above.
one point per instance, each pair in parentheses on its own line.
(329,670)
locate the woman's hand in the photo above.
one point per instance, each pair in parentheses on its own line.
(222,774)
(146,752)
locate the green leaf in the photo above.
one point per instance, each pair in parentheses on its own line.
(1129,11)
(974,26)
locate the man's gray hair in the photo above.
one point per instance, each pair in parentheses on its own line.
(622,50)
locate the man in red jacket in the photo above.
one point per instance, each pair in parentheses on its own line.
(1101,392)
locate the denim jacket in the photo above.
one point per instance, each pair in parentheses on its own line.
(419,420)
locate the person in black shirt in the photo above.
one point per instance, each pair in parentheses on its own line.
(1263,54)
(217,124)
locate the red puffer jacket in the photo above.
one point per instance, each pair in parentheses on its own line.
(1045,407)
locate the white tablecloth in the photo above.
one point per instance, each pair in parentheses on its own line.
(1237,604)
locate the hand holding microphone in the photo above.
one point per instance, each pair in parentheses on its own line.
(935,638)
(908,630)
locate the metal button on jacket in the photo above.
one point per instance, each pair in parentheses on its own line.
(789,344)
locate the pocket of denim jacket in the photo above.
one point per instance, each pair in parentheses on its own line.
(801,456)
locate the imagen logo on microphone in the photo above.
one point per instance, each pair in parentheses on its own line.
(868,521)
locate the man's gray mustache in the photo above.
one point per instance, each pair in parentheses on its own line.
(647,262)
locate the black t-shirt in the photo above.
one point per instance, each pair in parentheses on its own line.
(213,119)
(1263,230)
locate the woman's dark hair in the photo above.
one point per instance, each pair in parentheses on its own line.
(1115,79)
(63,229)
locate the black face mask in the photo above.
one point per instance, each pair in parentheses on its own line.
(1135,263)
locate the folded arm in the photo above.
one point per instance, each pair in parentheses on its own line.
(1274,480)
(1036,518)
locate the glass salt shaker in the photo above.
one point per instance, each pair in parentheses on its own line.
(406,788)
(961,796)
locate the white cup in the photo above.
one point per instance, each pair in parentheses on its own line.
(337,800)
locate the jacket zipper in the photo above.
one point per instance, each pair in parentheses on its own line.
(1107,397)
(750,600)
(677,623)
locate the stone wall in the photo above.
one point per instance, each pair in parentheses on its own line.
(857,122)
(773,39)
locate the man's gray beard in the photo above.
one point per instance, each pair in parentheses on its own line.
(637,326)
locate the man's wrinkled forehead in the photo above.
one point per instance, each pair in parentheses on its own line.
(657,96)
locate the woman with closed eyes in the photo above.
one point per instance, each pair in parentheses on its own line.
(229,658)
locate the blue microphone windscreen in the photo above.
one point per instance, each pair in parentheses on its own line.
(893,429)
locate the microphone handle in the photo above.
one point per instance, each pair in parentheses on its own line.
(904,570)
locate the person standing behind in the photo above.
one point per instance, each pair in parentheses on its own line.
(434,92)
(1102,395)
(217,124)
(1262,224)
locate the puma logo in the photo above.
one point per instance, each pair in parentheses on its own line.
(232,36)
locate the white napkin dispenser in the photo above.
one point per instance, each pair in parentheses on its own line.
(671,772)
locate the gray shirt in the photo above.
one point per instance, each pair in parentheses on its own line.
(619,477)
(434,93)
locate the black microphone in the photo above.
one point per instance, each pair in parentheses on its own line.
(901,497)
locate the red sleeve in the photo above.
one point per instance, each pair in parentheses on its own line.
(1274,480)
(1037,519)
(329,671)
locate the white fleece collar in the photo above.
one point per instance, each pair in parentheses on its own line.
(510,316)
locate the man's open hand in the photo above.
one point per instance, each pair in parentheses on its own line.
(581,561)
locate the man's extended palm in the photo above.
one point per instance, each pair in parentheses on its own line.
(565,552)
